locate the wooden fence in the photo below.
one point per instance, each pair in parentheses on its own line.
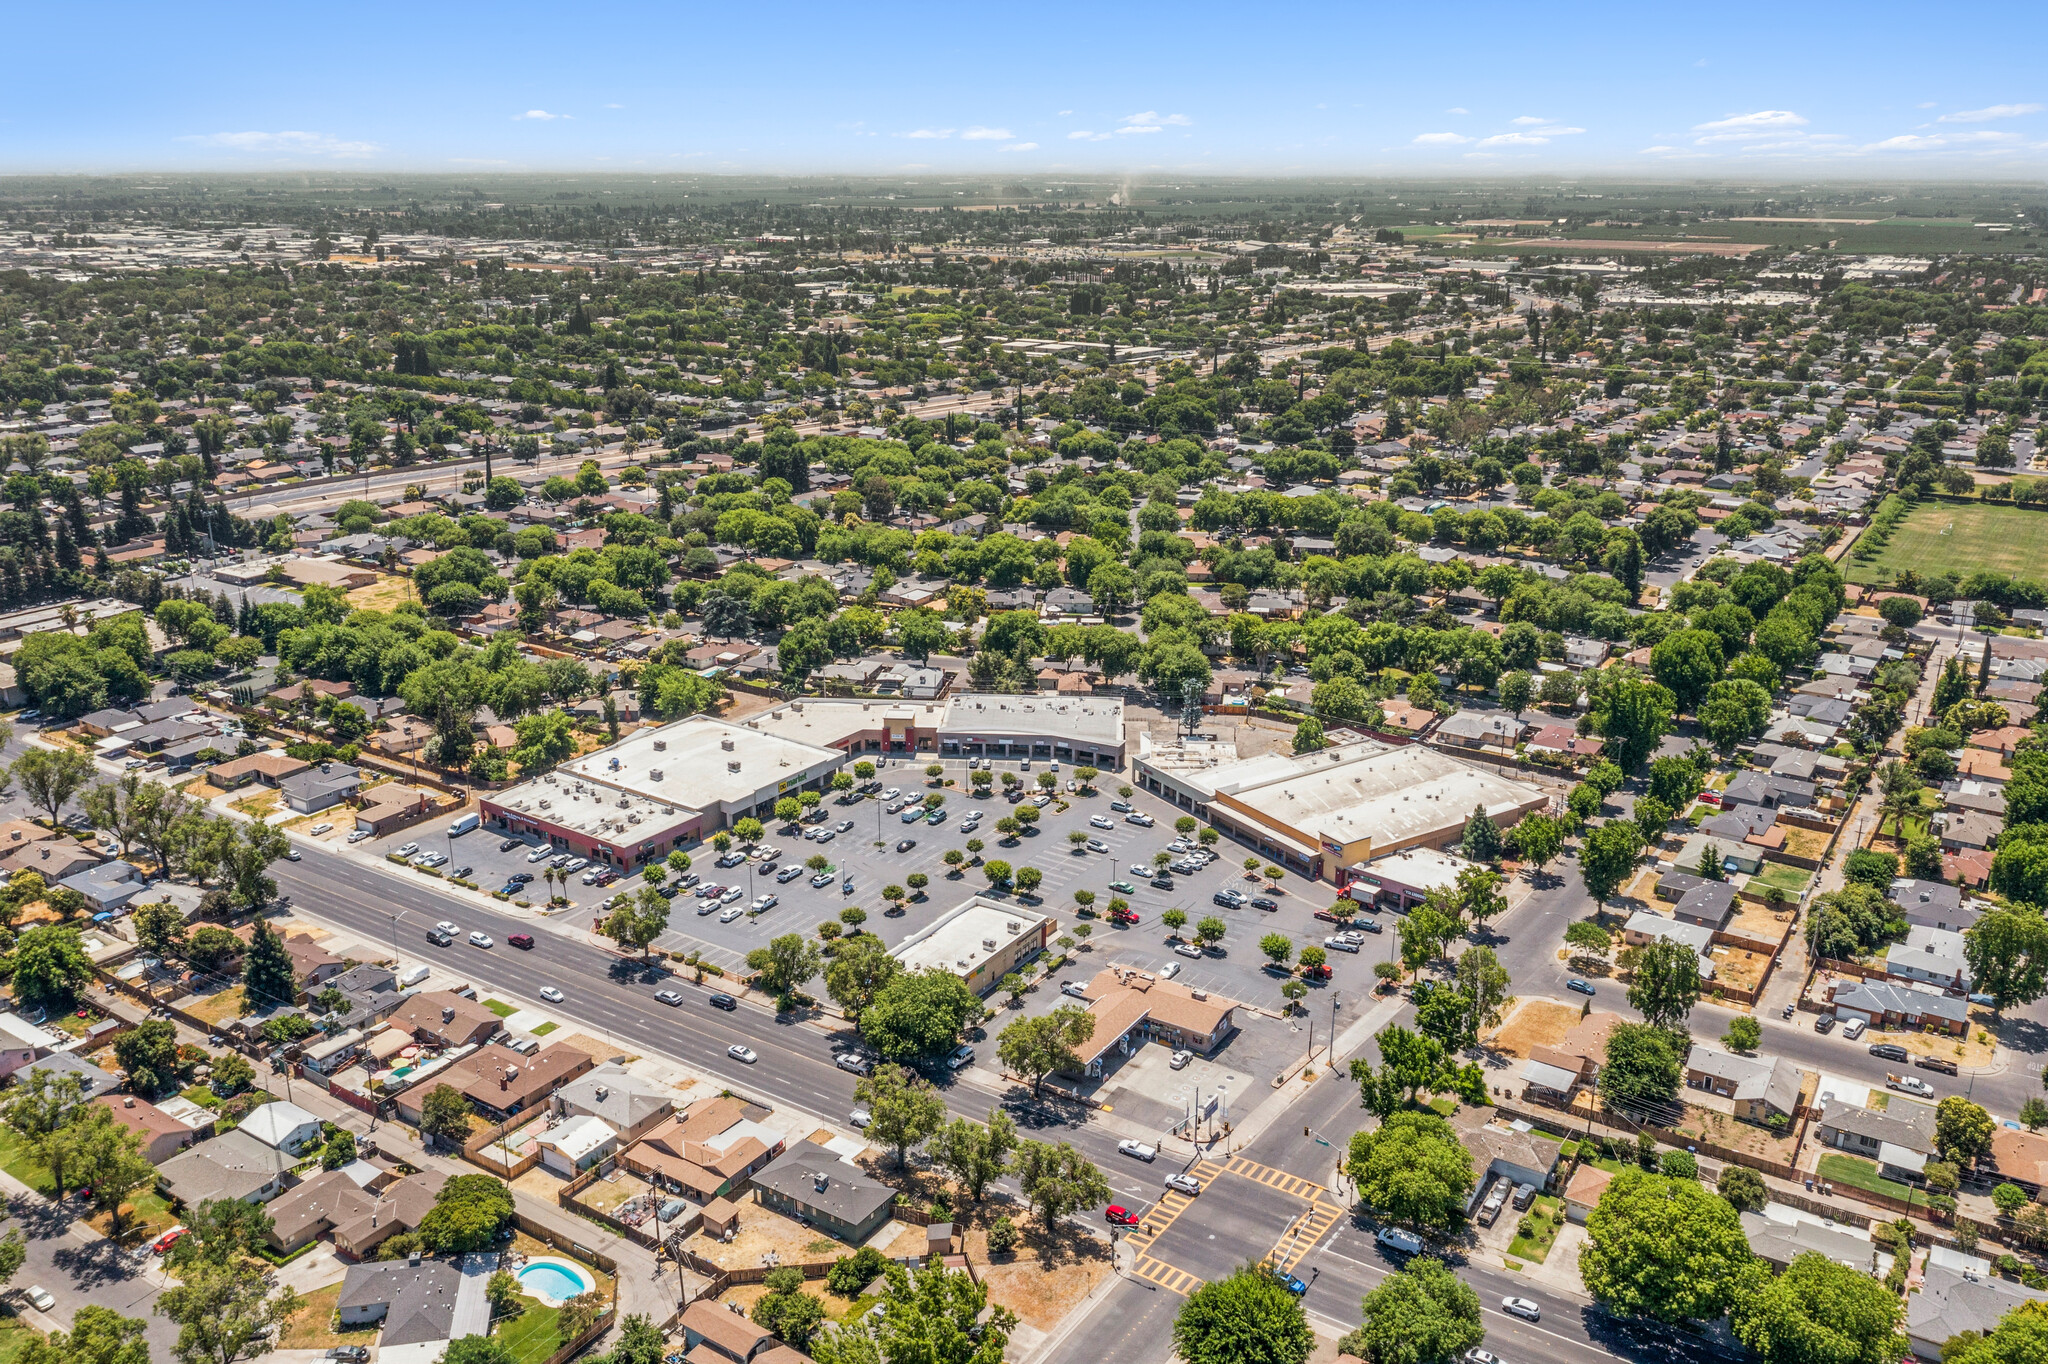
(475,1149)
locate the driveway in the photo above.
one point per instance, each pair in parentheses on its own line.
(80,1267)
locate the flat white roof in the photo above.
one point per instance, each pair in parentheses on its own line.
(1370,790)
(830,721)
(653,779)
(960,939)
(1097,720)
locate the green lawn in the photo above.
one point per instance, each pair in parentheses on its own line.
(501,1008)
(1537,1246)
(1959,538)
(1861,1174)
(15,1336)
(532,1335)
(1791,880)
(16,1160)
(544,1029)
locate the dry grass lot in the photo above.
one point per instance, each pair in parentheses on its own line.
(218,1007)
(312,1328)
(763,1232)
(1041,1292)
(382,595)
(1536,1022)
(1974,1049)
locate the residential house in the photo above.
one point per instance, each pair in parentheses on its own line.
(707,1151)
(414,1299)
(1709,905)
(107,885)
(631,1105)
(2020,1157)
(499,1082)
(1564,741)
(92,1080)
(284,1126)
(232,1165)
(360,1220)
(1470,729)
(1952,1301)
(394,805)
(1582,1195)
(1758,1088)
(1930,956)
(1968,829)
(1900,1137)
(1575,1059)
(575,1144)
(163,1136)
(827,1191)
(1769,791)
(1933,904)
(1745,858)
(1897,1004)
(1644,928)
(21,1043)
(1780,1234)
(320,788)
(1499,1150)
(445,1018)
(712,1332)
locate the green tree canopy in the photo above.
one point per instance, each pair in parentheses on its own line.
(1248,1318)
(1669,1249)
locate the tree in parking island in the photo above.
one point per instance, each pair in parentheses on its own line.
(635,923)
(1423,1315)
(784,966)
(1248,1318)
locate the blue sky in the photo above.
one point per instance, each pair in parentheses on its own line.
(1779,91)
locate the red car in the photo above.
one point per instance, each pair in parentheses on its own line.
(1119,1216)
(523,941)
(167,1240)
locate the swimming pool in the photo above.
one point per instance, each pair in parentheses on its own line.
(554,1281)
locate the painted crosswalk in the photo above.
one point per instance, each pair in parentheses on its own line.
(1303,1236)
(1275,1179)
(1168,1277)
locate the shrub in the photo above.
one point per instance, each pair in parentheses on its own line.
(1002,1236)
(2009,1199)
(851,1273)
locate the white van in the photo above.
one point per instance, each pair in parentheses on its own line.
(1400,1242)
(464,825)
(1853,1029)
(414,977)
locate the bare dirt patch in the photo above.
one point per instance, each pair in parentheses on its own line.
(382,595)
(764,1233)
(1724,1129)
(1042,1293)
(1536,1022)
(596,1050)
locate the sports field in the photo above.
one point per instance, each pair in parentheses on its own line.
(1960,538)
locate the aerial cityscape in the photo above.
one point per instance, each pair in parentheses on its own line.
(1236,721)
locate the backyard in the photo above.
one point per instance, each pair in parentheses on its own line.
(1859,1173)
(312,1327)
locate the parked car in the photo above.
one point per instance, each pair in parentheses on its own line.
(1824,1023)
(1162,882)
(318,829)
(1187,949)
(1261,902)
(766,902)
(1074,989)
(509,844)
(731,913)
(860,1117)
(1341,944)
(1230,899)
(1102,821)
(843,826)
(788,874)
(905,845)
(1890,1051)
(407,849)
(963,1055)
(855,1062)
(1179,1060)
(823,878)
(1936,1063)
(1142,821)
(1096,845)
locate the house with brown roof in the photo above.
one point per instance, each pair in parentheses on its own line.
(444,1018)
(163,1136)
(711,1333)
(267,768)
(394,805)
(312,964)
(1132,1008)
(707,1151)
(499,1082)
(359,1219)
(17,834)
(52,859)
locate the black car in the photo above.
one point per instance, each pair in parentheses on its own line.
(1261,902)
(906,845)
(1890,1051)
(510,888)
(1824,1023)
(508,845)
(1163,882)
(723,1001)
(520,878)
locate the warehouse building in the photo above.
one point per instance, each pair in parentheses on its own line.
(659,789)
(1323,814)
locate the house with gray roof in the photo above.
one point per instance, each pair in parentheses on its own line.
(1757,1088)
(110,885)
(1779,1242)
(320,788)
(413,1298)
(231,1165)
(1897,1004)
(1951,1302)
(1930,956)
(624,1101)
(808,1181)
(1932,904)
(1899,1137)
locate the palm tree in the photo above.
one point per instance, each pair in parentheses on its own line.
(1901,795)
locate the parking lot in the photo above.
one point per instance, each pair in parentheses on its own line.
(867,853)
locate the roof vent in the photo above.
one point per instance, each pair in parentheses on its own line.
(661,745)
(447,1013)
(725,744)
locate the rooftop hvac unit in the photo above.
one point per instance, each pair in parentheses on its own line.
(633,819)
(989,943)
(1199,994)
(725,744)
(661,745)
(1012,926)
(654,774)
(732,767)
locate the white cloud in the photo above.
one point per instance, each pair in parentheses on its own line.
(1925,104)
(1064,112)
(1441,139)
(288,144)
(1514,140)
(614,106)
(1139,128)
(1022,147)
(929,133)
(1554,130)
(538,115)
(1525,121)
(980,134)
(1928,142)
(1084,135)
(1151,119)
(1986,115)
(1741,127)
(1455,110)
